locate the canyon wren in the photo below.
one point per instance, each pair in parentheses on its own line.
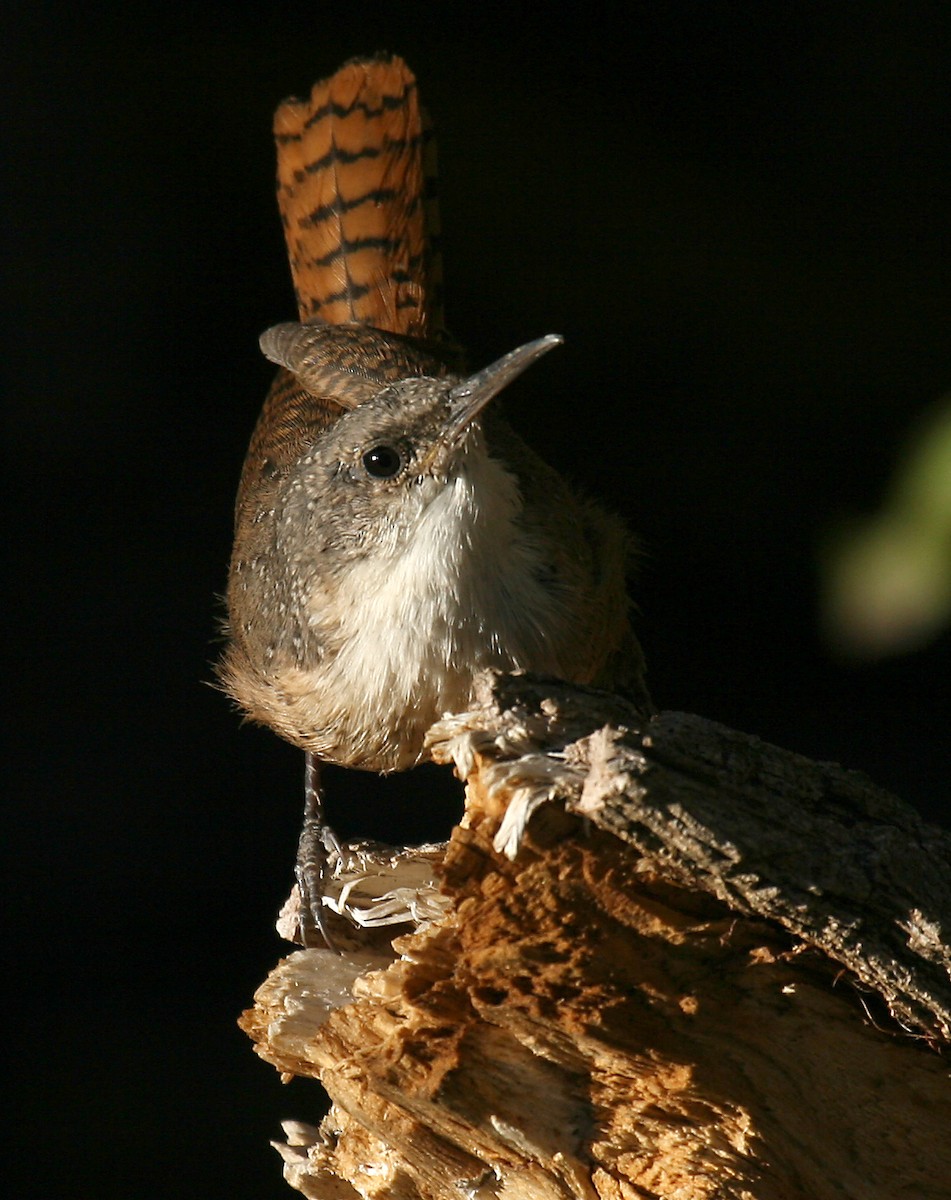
(394,536)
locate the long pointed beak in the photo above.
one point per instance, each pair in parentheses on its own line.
(469,398)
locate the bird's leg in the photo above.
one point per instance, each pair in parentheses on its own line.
(317,841)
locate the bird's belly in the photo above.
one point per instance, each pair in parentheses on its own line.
(405,652)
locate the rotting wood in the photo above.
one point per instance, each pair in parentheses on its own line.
(673,961)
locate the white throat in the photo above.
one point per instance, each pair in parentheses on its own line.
(461,593)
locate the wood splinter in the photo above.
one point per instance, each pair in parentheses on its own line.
(667,960)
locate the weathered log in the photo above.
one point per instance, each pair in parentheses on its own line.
(665,960)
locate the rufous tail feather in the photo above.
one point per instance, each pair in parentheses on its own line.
(356,190)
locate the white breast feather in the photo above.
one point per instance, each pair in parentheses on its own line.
(461,592)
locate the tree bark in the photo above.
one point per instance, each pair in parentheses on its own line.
(662,960)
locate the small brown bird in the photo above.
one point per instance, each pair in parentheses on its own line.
(394,536)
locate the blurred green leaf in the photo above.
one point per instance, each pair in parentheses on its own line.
(886,581)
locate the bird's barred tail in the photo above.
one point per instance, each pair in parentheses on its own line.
(356,189)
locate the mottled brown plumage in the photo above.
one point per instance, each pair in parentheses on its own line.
(363,599)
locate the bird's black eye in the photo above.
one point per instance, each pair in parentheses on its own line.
(382,462)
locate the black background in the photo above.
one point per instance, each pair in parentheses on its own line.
(737,215)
